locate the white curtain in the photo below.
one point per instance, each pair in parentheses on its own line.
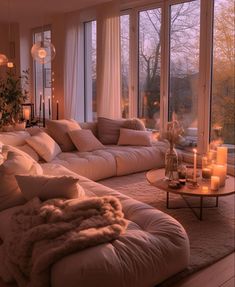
(108,61)
(73,68)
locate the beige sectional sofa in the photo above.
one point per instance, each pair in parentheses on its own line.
(154,247)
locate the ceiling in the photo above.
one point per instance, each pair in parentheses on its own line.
(23,10)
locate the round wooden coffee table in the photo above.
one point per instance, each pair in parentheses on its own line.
(156,178)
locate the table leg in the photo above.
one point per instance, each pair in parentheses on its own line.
(217,201)
(167,200)
(201,207)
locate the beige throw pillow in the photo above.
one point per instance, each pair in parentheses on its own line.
(84,140)
(134,124)
(134,138)
(108,130)
(58,130)
(47,187)
(44,145)
(17,162)
(30,151)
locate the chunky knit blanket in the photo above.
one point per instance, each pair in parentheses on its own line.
(43,233)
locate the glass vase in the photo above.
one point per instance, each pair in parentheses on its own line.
(171,164)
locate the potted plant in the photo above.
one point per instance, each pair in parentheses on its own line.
(13,93)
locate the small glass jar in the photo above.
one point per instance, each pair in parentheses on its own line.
(182,172)
(206,168)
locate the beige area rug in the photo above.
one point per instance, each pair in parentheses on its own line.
(210,239)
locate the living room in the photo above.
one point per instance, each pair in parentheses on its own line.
(125,106)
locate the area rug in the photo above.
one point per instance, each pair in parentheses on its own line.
(210,239)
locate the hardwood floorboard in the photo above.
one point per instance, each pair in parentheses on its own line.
(215,275)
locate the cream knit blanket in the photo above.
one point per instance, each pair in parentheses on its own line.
(43,233)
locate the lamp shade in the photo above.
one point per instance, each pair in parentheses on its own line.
(3,60)
(43,52)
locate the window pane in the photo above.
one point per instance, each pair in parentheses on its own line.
(223,106)
(43,79)
(184,67)
(125,39)
(90,71)
(149,67)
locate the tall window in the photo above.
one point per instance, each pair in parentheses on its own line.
(223,89)
(90,70)
(149,67)
(42,77)
(184,67)
(125,64)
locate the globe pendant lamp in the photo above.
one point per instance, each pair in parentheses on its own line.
(3,60)
(43,52)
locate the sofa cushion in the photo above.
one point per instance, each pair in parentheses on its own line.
(14,138)
(17,162)
(58,130)
(44,145)
(47,187)
(30,151)
(109,130)
(134,137)
(84,140)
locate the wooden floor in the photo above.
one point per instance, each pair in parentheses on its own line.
(220,274)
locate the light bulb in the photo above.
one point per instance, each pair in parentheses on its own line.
(10,65)
(42,53)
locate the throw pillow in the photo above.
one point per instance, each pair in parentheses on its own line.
(44,145)
(47,187)
(84,140)
(58,130)
(134,124)
(109,130)
(17,162)
(31,152)
(135,138)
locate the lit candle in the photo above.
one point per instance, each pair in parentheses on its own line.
(220,171)
(205,189)
(57,109)
(194,165)
(26,114)
(214,182)
(222,154)
(43,113)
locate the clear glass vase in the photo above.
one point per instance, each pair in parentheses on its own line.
(171,164)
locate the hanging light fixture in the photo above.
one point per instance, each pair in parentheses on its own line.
(43,51)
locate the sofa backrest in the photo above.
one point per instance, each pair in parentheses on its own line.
(90,126)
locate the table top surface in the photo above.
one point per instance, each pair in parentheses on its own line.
(156,178)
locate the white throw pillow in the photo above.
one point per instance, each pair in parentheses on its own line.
(134,137)
(14,138)
(17,162)
(84,140)
(47,187)
(44,145)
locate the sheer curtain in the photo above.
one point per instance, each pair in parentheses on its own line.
(73,68)
(108,61)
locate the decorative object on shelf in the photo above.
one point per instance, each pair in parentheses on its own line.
(13,93)
(173,134)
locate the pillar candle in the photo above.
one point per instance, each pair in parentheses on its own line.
(222,154)
(220,171)
(194,164)
(205,189)
(26,114)
(214,182)
(40,106)
(57,109)
(206,172)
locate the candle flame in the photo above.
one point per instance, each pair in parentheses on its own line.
(194,150)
